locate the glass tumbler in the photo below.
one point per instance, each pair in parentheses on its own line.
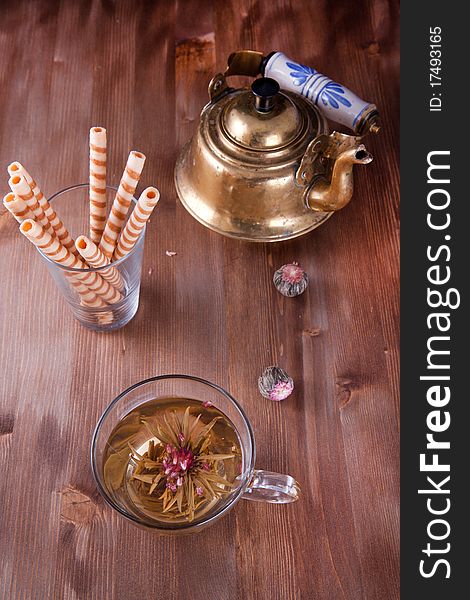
(252,484)
(72,206)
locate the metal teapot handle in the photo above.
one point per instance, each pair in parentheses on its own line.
(332,99)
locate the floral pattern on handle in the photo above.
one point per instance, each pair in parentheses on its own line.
(332,99)
(300,73)
(329,94)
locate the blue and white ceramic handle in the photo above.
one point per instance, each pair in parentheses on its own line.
(333,100)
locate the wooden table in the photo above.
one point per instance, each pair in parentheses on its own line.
(141,69)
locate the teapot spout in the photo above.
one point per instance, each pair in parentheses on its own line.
(333,192)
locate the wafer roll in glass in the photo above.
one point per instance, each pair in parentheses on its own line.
(117,216)
(97,183)
(55,251)
(87,296)
(95,258)
(139,217)
(20,187)
(16,168)
(17,207)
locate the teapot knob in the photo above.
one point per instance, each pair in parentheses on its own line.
(265,91)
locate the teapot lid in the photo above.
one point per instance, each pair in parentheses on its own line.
(262,118)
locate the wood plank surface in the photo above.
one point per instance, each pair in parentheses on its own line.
(141,69)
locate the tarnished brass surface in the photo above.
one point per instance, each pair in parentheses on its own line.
(264,177)
(244,62)
(246,193)
(312,161)
(332,190)
(247,127)
(369,122)
(217,86)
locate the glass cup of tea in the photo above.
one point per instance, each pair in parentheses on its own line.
(174,453)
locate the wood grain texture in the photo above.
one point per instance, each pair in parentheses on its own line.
(141,69)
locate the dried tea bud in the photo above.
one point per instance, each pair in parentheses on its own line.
(275,384)
(291,280)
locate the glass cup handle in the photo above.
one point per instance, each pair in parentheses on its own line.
(272,487)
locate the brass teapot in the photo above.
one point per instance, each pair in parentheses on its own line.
(262,166)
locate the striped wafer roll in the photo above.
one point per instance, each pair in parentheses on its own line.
(16,168)
(139,217)
(95,258)
(87,296)
(117,216)
(20,187)
(17,207)
(59,254)
(97,182)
